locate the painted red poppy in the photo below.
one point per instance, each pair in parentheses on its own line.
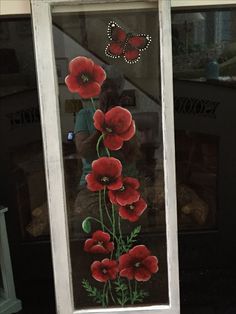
(99,244)
(138,264)
(85,77)
(133,211)
(117,126)
(106,173)
(105,270)
(127,193)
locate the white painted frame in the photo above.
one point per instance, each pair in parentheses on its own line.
(49,107)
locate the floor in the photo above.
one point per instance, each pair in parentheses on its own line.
(37,298)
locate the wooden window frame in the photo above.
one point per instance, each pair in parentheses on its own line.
(49,107)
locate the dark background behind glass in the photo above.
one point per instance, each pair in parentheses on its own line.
(204,57)
(22,184)
(78,34)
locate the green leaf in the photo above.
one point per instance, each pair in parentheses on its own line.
(92,292)
(139,295)
(122,292)
(131,239)
(86,225)
(119,301)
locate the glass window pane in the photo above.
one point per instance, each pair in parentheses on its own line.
(113,170)
(203,45)
(204,56)
(23,187)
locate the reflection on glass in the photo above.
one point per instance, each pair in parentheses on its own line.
(197,165)
(204,57)
(114,164)
(23,185)
(204,60)
(203,45)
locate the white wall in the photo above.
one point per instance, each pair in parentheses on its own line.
(8,7)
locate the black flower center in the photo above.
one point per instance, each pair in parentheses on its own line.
(137,264)
(84,78)
(109,130)
(104,271)
(105,180)
(122,189)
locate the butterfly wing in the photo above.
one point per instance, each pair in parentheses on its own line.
(140,41)
(132,55)
(134,45)
(116,33)
(118,39)
(114,49)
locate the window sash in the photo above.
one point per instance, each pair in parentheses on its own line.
(49,108)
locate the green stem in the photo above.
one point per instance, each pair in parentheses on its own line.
(97,220)
(97,146)
(105,204)
(107,298)
(109,217)
(130,292)
(111,292)
(107,150)
(100,210)
(135,286)
(94,107)
(120,243)
(104,296)
(113,220)
(122,247)
(108,153)
(122,292)
(135,291)
(120,232)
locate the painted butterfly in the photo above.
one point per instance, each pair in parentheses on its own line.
(125,44)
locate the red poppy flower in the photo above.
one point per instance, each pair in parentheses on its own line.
(133,211)
(105,270)
(85,77)
(138,264)
(116,125)
(127,193)
(106,172)
(100,243)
